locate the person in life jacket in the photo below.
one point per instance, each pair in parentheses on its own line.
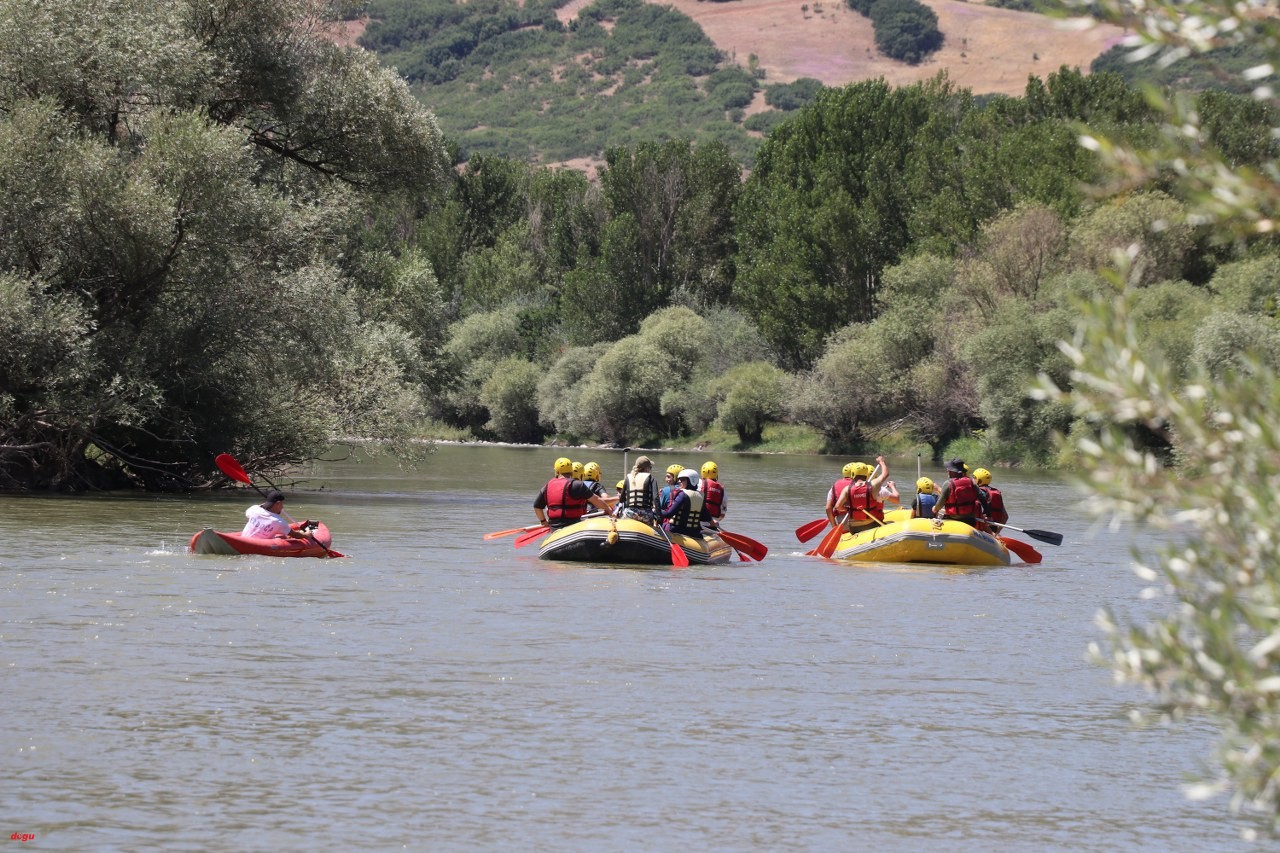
(861,499)
(959,498)
(837,489)
(640,491)
(591,476)
(926,499)
(714,501)
(563,500)
(669,490)
(684,515)
(992,497)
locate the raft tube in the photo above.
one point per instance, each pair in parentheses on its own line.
(923,540)
(637,543)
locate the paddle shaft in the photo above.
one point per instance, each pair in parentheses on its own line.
(1043,535)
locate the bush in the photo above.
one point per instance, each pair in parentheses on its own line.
(510,395)
(751,396)
(906,30)
(793,96)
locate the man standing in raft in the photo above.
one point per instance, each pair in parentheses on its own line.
(714,502)
(861,499)
(563,500)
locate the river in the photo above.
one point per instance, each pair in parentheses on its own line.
(435,691)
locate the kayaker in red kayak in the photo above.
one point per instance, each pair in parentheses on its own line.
(267,520)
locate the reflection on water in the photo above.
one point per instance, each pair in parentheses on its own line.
(436,691)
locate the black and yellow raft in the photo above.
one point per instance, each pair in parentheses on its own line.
(903,539)
(636,542)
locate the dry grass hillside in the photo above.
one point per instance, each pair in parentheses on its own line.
(986,50)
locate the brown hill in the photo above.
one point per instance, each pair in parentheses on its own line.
(987,49)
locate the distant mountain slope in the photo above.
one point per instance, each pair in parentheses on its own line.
(549,84)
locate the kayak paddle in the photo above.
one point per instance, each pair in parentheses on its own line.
(805,532)
(1043,535)
(1024,551)
(498,534)
(228,465)
(679,558)
(536,533)
(746,545)
(829,542)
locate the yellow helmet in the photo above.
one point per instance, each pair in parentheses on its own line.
(577,470)
(982,476)
(863,470)
(847,470)
(924,486)
(674,470)
(564,465)
(622,484)
(710,471)
(591,471)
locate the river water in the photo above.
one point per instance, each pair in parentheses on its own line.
(439,692)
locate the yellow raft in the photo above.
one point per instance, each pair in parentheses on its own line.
(904,539)
(636,543)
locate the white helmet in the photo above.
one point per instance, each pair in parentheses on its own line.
(691,475)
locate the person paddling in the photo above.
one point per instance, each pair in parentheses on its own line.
(267,521)
(861,499)
(563,500)
(959,498)
(684,513)
(991,496)
(837,489)
(714,501)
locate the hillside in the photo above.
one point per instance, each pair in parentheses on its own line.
(561,85)
(987,49)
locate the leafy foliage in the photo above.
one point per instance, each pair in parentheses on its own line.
(509,79)
(192,174)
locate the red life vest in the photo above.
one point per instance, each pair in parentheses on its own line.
(863,503)
(838,487)
(962,499)
(995,506)
(561,504)
(713,495)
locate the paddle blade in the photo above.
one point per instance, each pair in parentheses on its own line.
(830,541)
(679,558)
(805,532)
(1025,552)
(746,545)
(537,533)
(498,534)
(228,465)
(1045,536)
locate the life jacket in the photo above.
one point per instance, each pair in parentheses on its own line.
(561,504)
(638,494)
(995,505)
(713,497)
(862,502)
(689,519)
(924,505)
(962,499)
(666,496)
(838,487)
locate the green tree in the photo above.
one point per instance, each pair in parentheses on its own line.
(751,396)
(188,179)
(509,394)
(1206,642)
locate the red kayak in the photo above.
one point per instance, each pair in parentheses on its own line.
(210,541)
